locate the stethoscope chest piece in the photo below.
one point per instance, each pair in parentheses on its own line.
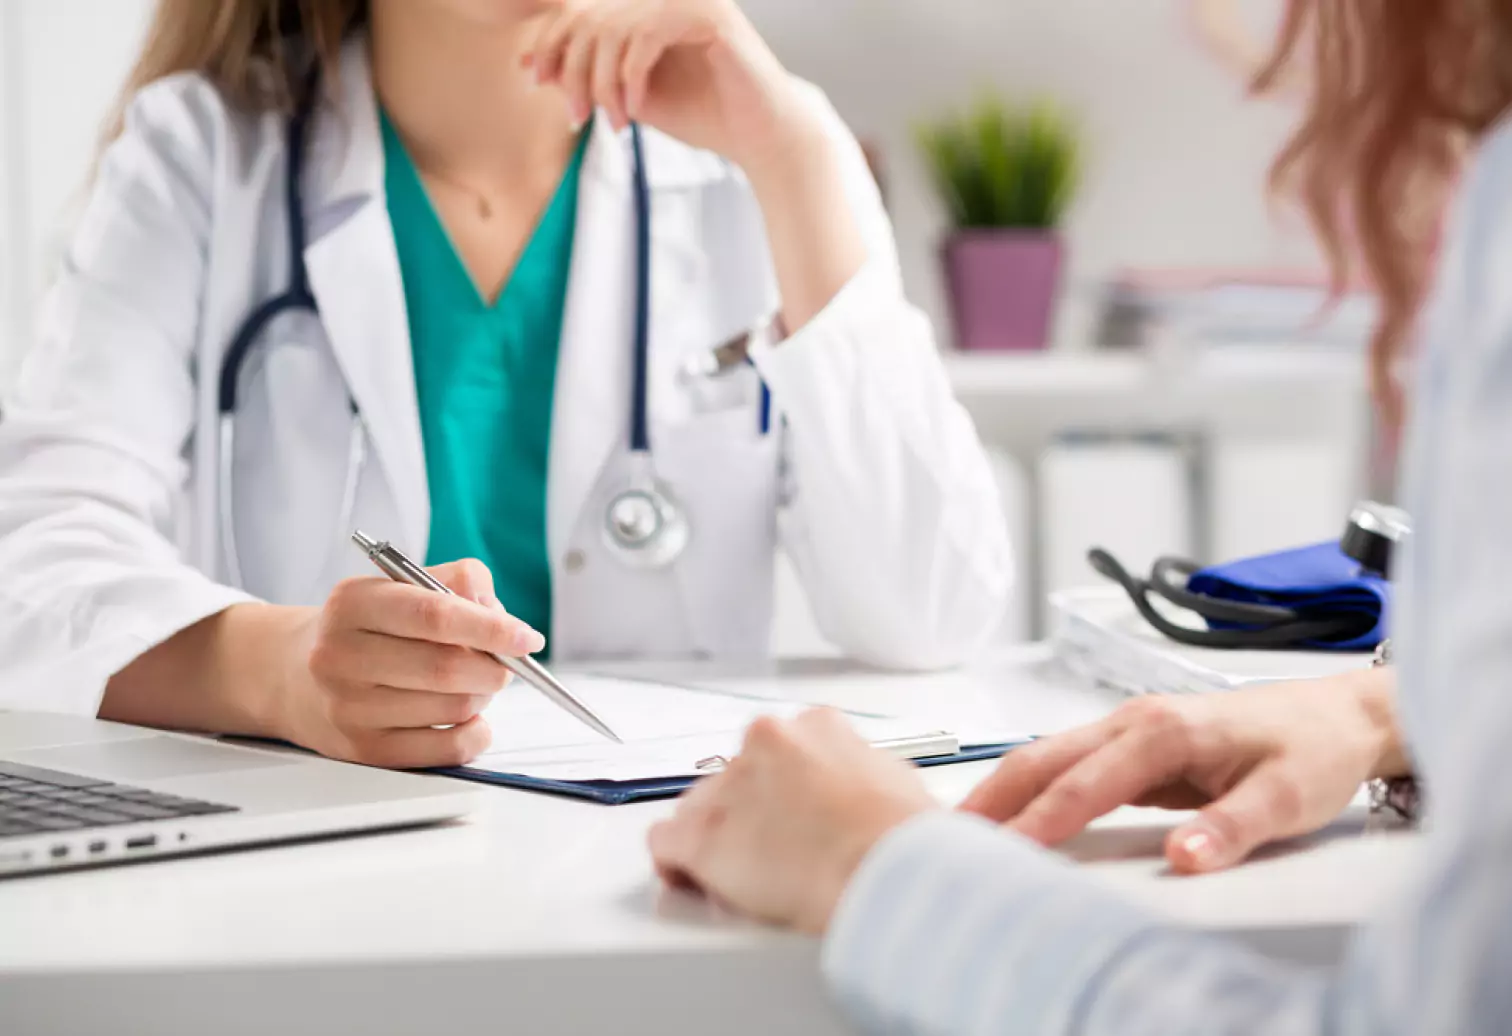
(644,525)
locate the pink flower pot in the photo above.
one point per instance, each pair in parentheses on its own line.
(1002,285)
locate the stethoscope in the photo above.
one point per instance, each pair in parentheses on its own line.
(644,525)
(295,298)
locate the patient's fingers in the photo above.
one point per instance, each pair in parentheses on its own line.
(1116,774)
(1027,771)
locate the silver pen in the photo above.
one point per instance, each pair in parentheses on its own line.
(401,569)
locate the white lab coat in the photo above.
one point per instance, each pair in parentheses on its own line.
(873,480)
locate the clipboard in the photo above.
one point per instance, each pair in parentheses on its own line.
(619,793)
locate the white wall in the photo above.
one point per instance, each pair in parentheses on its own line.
(61,64)
(12,268)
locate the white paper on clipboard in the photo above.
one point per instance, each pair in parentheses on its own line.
(667,730)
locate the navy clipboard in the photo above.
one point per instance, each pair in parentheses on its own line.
(617,793)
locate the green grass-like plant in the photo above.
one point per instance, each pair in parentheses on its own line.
(996,165)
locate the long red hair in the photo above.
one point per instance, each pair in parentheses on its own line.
(1397,91)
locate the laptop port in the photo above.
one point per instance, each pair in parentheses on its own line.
(59,851)
(97,846)
(141,842)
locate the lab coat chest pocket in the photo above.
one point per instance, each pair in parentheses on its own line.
(725,473)
(290,472)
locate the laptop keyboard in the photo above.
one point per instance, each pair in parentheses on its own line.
(36,801)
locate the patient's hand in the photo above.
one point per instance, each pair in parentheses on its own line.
(1262,763)
(778,834)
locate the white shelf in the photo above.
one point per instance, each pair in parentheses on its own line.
(1062,373)
(1020,401)
(1051,372)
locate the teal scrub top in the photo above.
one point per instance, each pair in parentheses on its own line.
(484,378)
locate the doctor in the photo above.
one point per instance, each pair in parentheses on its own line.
(547,275)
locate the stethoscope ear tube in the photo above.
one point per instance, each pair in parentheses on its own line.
(1271,626)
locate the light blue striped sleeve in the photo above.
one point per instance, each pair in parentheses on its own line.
(952,926)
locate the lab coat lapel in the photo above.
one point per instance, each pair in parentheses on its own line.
(591,405)
(354,274)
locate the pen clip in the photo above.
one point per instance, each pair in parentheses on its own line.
(393,563)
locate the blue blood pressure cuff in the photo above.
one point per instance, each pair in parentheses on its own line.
(1315,598)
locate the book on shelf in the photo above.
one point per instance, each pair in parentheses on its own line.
(1218,307)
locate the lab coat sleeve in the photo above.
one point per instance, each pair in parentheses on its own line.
(894,521)
(95,433)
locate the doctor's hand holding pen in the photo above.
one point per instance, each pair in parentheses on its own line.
(394,675)
(383,673)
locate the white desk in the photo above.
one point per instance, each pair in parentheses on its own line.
(541,915)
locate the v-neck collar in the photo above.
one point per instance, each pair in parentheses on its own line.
(399,162)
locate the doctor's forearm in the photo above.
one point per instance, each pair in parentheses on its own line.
(816,243)
(219,675)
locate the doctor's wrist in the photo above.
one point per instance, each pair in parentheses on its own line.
(219,676)
(815,237)
(795,148)
(261,658)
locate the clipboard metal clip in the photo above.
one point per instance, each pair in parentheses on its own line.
(922,746)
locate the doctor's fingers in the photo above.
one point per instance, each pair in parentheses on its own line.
(642,54)
(583,54)
(361,659)
(576,73)
(629,46)
(606,78)
(557,30)
(467,577)
(392,708)
(382,606)
(1027,771)
(413,748)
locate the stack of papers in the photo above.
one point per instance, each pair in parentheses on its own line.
(1098,635)
(667,730)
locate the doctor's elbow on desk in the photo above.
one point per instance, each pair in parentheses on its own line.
(926,629)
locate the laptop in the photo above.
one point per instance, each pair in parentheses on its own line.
(78,792)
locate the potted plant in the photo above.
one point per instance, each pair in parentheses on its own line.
(1006,175)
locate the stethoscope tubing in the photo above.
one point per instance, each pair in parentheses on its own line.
(1270,626)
